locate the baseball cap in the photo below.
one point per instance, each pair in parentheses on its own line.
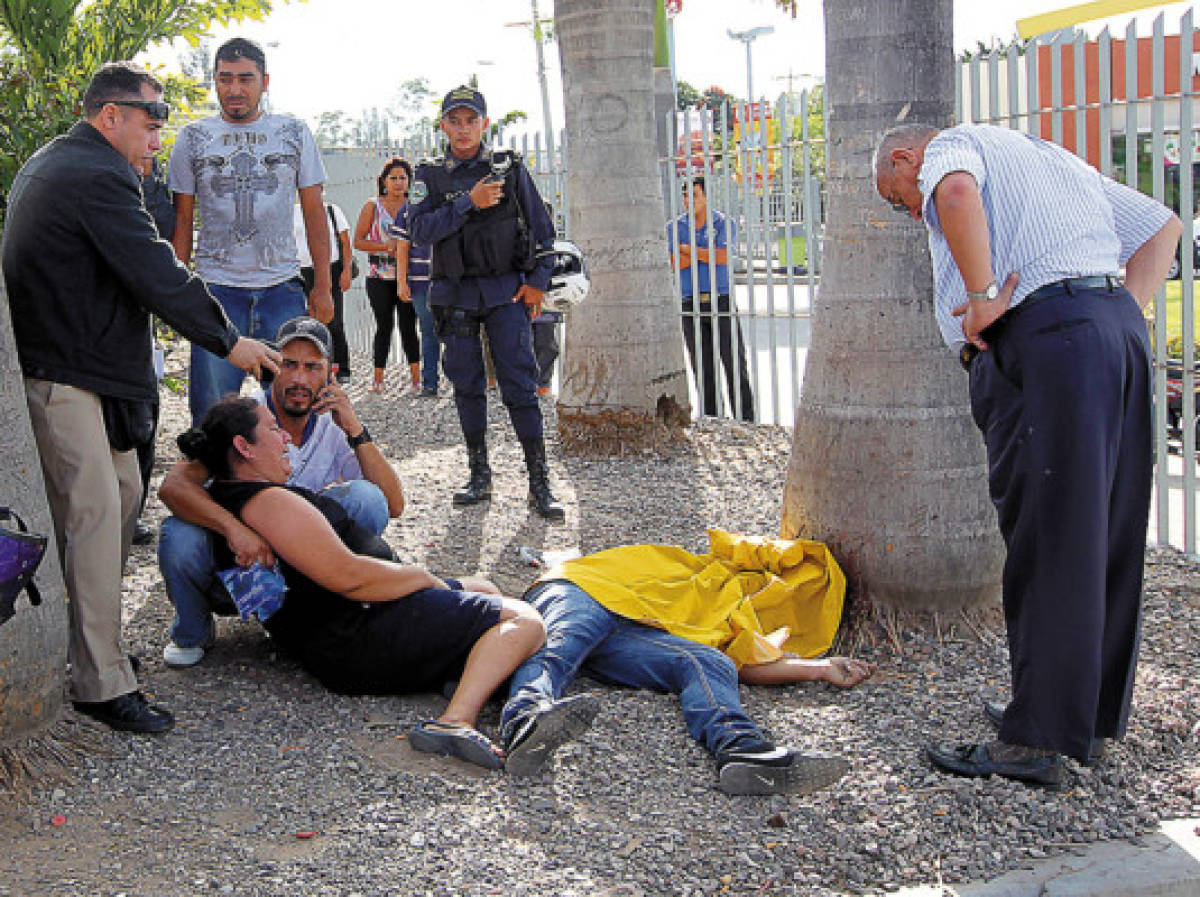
(307,328)
(464,96)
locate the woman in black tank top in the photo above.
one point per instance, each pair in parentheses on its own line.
(355,618)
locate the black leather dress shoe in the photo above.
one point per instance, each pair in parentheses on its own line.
(1011,762)
(994,711)
(143,534)
(128,713)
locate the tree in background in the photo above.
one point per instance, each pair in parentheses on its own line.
(414,107)
(333,128)
(54,46)
(412,114)
(51,52)
(715,97)
(624,375)
(887,466)
(687,96)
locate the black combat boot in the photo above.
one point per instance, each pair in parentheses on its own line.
(540,496)
(479,487)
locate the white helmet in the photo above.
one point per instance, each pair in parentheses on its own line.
(569,283)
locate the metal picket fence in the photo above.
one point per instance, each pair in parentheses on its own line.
(763,177)
(1127,105)
(351,181)
(760,170)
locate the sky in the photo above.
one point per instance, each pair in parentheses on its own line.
(353,54)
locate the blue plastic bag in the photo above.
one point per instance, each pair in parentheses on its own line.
(256,590)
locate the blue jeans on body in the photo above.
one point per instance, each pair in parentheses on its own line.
(582,633)
(189,569)
(431,349)
(256,313)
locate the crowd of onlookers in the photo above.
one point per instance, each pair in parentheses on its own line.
(279,505)
(280,501)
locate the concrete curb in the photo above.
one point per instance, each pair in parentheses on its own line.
(1165,864)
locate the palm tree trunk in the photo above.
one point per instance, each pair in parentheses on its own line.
(623,362)
(33,644)
(887,466)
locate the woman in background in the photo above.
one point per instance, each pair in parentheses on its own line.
(375,234)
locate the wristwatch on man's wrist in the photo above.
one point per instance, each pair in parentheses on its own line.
(361,439)
(990,293)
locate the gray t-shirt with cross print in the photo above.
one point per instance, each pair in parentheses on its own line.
(245,178)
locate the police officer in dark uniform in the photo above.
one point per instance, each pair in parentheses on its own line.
(492,255)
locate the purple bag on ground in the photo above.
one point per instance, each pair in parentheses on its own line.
(20,554)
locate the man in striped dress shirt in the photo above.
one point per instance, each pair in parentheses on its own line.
(1027,241)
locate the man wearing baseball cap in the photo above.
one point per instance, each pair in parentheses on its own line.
(492,256)
(331,452)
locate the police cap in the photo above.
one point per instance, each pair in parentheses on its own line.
(464,96)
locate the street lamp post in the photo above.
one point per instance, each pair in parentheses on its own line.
(748,37)
(536,24)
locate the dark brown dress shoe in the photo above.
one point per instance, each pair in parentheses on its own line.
(994,711)
(128,713)
(995,758)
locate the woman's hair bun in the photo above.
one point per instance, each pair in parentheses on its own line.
(193,443)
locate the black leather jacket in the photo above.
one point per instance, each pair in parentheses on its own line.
(85,267)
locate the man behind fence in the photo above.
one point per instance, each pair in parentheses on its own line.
(691,241)
(1059,365)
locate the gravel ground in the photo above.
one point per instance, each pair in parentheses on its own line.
(269,785)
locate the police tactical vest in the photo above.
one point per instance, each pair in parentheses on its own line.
(492,241)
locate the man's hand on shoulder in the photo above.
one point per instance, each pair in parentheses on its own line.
(333,398)
(253,357)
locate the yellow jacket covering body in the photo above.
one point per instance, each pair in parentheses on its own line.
(744,589)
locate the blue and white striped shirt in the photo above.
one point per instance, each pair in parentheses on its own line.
(1050,214)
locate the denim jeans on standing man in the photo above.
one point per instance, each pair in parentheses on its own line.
(256,313)
(580,632)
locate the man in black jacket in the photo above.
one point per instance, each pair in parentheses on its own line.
(85,267)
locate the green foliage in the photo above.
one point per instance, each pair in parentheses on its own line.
(687,96)
(509,118)
(997,47)
(52,47)
(1173,313)
(715,97)
(816,130)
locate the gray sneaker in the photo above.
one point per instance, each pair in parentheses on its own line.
(805,774)
(546,729)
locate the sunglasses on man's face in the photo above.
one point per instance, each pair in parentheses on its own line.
(156,109)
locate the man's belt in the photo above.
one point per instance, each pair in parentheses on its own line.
(1074,284)
(1069,285)
(705,298)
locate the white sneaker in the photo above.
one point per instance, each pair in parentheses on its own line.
(175,656)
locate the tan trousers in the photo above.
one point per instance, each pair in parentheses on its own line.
(94,494)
